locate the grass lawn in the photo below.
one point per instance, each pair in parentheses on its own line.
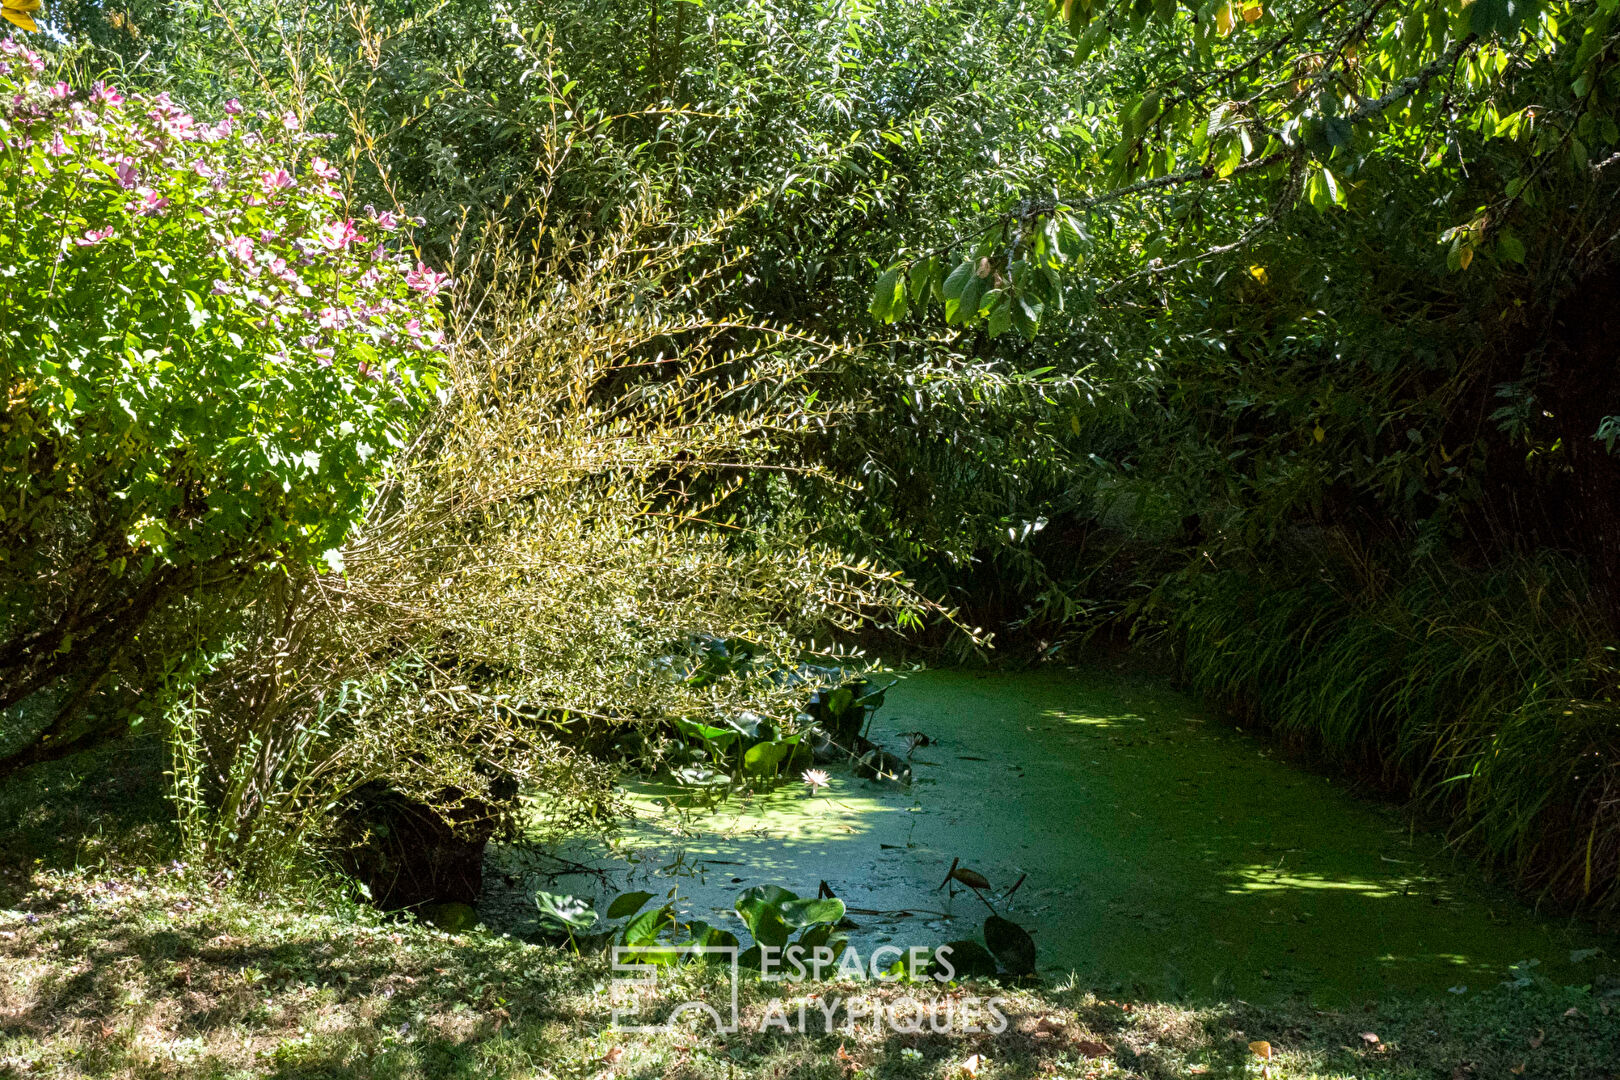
(162,974)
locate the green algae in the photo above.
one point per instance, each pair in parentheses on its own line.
(1160,851)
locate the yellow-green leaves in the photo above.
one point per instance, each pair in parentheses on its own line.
(18,12)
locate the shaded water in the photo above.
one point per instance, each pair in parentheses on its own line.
(1164,852)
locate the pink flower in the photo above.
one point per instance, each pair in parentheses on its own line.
(93,237)
(221,287)
(58,148)
(336,235)
(241,247)
(127,175)
(278,180)
(150,202)
(386,220)
(332,319)
(426,281)
(203,169)
(289,120)
(324,169)
(280,269)
(106,95)
(60,91)
(233,107)
(181,126)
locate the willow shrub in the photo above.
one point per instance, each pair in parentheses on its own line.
(573,511)
(206,357)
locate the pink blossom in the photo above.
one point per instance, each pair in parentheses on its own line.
(150,202)
(93,237)
(278,180)
(387,221)
(106,95)
(127,176)
(58,148)
(324,169)
(289,120)
(60,91)
(233,107)
(426,281)
(336,235)
(203,169)
(221,287)
(332,319)
(241,247)
(182,126)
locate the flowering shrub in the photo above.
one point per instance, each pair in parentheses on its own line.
(206,355)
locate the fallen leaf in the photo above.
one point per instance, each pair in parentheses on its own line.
(1049,1024)
(1093,1049)
(973,1064)
(1369,1038)
(1261,1049)
(971,878)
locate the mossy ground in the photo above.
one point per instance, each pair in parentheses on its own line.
(165,974)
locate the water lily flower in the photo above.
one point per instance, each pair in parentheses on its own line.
(426,281)
(816,778)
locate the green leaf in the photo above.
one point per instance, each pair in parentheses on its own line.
(799,913)
(571,912)
(1510,248)
(627,904)
(889,296)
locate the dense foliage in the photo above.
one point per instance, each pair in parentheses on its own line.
(206,358)
(1281,332)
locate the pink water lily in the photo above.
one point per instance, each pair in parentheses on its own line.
(426,281)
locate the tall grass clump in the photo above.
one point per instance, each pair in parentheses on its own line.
(1489,697)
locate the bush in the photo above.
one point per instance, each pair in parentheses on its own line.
(206,355)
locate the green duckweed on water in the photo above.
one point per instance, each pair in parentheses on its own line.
(1159,851)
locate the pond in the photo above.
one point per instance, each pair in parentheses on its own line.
(1161,852)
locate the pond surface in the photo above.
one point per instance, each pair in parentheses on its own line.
(1161,852)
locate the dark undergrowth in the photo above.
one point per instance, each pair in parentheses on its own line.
(1489,698)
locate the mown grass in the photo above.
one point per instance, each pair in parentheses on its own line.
(163,974)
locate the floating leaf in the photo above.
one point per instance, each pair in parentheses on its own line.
(627,904)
